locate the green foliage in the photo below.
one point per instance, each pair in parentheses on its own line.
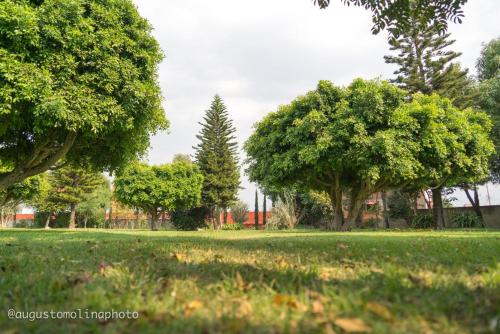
(232,227)
(466,220)
(423,221)
(158,189)
(61,219)
(426,66)
(93,207)
(239,212)
(488,64)
(397,15)
(335,139)
(315,207)
(488,67)
(216,157)
(400,206)
(190,220)
(73,184)
(78,80)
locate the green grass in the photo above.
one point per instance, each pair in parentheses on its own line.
(253,281)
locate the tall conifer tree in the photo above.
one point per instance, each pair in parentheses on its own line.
(216,156)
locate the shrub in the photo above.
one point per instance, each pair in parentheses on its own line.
(190,220)
(370,223)
(424,220)
(466,220)
(62,219)
(400,207)
(239,212)
(232,227)
(284,214)
(315,207)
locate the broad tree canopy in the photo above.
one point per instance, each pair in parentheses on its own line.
(365,138)
(158,189)
(78,79)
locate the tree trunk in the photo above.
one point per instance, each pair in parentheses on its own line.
(264,211)
(72,216)
(225,216)
(154,218)
(47,222)
(384,208)
(475,202)
(437,208)
(110,218)
(136,219)
(338,212)
(256,211)
(85,222)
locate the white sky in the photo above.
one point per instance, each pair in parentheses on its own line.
(259,54)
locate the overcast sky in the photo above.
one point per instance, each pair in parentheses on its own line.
(259,54)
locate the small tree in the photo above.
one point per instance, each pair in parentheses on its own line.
(400,207)
(239,212)
(71,185)
(95,203)
(159,189)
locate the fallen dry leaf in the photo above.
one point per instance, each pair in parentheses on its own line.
(287,300)
(317,307)
(343,246)
(192,306)
(245,308)
(179,256)
(352,325)
(379,309)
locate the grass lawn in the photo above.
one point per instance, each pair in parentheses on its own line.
(253,281)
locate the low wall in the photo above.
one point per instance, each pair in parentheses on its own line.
(491,214)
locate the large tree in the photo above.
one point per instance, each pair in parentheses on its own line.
(216,156)
(362,139)
(159,189)
(71,185)
(396,14)
(426,65)
(337,140)
(78,80)
(454,146)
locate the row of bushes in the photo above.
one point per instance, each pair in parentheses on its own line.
(459,220)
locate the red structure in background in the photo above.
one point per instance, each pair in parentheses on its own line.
(25,216)
(250,222)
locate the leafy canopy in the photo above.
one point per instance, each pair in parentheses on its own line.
(78,79)
(364,138)
(158,189)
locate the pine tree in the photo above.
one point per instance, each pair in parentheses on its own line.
(71,184)
(425,65)
(216,156)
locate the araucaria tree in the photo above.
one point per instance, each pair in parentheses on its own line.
(216,156)
(361,139)
(159,189)
(78,80)
(71,185)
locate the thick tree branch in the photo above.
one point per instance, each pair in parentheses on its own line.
(24,171)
